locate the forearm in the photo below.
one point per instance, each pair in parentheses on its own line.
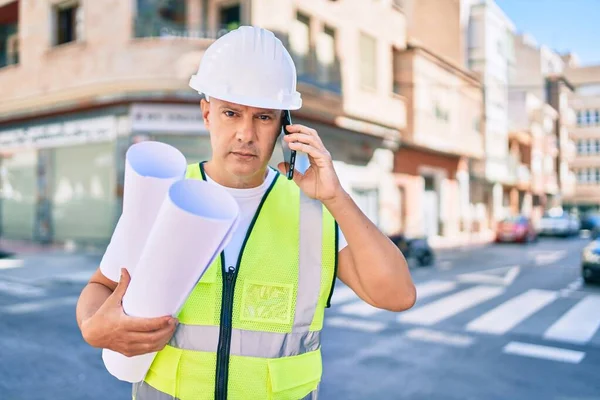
(379,265)
(91,299)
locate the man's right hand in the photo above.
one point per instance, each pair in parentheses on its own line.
(110,328)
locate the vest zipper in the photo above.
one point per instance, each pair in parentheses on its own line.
(229,279)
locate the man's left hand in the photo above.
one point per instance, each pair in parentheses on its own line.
(319,181)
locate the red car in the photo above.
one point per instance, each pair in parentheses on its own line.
(516,229)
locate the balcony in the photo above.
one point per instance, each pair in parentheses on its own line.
(9,34)
(523,175)
(312,71)
(551,184)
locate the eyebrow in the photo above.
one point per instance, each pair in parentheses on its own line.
(239,110)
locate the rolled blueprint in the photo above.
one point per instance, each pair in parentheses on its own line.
(150,170)
(194,224)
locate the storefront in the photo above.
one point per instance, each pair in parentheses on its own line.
(61,179)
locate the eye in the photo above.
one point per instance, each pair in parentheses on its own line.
(229,113)
(265,117)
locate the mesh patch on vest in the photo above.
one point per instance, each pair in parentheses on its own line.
(266,302)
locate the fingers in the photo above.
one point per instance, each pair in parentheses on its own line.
(308,149)
(121,288)
(148,342)
(283,168)
(297,128)
(148,324)
(313,141)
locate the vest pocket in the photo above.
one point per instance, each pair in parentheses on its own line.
(292,378)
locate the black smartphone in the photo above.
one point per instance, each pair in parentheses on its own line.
(289,155)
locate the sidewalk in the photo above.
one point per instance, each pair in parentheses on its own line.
(34,263)
(461,240)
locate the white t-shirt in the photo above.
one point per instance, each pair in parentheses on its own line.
(248,200)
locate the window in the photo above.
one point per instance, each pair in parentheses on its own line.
(9,45)
(230,17)
(597,174)
(368,61)
(597,119)
(591,175)
(160,18)
(579,118)
(581,147)
(68,23)
(581,176)
(300,43)
(588,119)
(368,201)
(396,71)
(441,114)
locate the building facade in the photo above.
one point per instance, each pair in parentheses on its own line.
(490,53)
(80,85)
(444,132)
(586,135)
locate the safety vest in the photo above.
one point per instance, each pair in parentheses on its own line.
(253,332)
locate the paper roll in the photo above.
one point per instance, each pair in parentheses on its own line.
(193,226)
(150,170)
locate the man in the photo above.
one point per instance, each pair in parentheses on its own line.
(251,327)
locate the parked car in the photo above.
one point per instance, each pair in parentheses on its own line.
(590,262)
(553,224)
(590,222)
(417,248)
(516,229)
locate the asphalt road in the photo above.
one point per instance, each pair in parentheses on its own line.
(504,322)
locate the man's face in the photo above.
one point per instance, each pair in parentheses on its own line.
(242,137)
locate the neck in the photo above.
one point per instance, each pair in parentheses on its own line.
(224,178)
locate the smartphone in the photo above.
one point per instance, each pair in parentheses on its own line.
(289,155)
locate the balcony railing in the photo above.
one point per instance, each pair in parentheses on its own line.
(153,27)
(523,175)
(312,71)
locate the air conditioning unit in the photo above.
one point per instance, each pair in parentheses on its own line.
(12,49)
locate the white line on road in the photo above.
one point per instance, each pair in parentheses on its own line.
(364,309)
(370,326)
(359,308)
(507,315)
(550,257)
(496,276)
(433,288)
(544,352)
(342,294)
(11,263)
(449,306)
(579,324)
(21,289)
(35,306)
(432,336)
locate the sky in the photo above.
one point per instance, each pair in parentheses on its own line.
(562,25)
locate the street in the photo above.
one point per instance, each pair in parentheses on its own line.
(492,322)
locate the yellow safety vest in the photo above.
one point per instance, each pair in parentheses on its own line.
(254,331)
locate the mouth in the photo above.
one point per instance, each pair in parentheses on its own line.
(243,154)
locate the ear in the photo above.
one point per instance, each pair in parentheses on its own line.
(205,107)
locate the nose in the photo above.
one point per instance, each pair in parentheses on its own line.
(246,131)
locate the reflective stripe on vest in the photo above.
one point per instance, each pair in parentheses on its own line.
(143,391)
(246,343)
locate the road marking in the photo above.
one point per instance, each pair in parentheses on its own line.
(433,288)
(579,324)
(544,352)
(449,306)
(370,326)
(359,308)
(497,276)
(35,306)
(550,257)
(21,289)
(509,314)
(424,290)
(11,263)
(343,294)
(432,336)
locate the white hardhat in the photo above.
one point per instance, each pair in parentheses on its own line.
(249,66)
